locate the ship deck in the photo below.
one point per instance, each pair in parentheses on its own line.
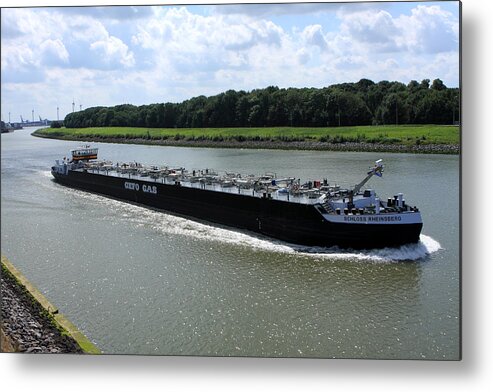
(212,181)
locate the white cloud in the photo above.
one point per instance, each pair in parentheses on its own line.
(112,51)
(53,52)
(313,35)
(106,56)
(20,64)
(429,29)
(303,56)
(203,45)
(351,62)
(377,29)
(40,38)
(18,56)
(26,23)
(86,29)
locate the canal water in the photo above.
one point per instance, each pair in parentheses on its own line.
(138,281)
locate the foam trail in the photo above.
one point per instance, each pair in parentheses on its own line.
(410,252)
(170,224)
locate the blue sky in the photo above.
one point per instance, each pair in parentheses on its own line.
(103,56)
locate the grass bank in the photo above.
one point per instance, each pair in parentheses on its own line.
(383,138)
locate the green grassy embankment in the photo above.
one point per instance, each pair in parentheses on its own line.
(360,138)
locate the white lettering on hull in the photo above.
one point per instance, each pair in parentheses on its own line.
(376,219)
(133,186)
(390,218)
(149,189)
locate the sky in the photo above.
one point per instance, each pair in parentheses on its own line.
(105,56)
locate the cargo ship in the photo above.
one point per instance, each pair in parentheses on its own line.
(314,213)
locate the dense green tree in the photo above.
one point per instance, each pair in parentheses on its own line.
(360,103)
(393,110)
(54,124)
(438,85)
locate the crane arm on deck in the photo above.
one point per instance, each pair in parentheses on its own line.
(375,171)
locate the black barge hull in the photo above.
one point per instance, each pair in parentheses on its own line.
(291,222)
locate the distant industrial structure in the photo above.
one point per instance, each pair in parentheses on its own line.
(13,125)
(33,123)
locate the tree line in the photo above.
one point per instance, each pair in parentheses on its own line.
(346,104)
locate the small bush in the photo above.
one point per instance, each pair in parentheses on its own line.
(360,138)
(56,124)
